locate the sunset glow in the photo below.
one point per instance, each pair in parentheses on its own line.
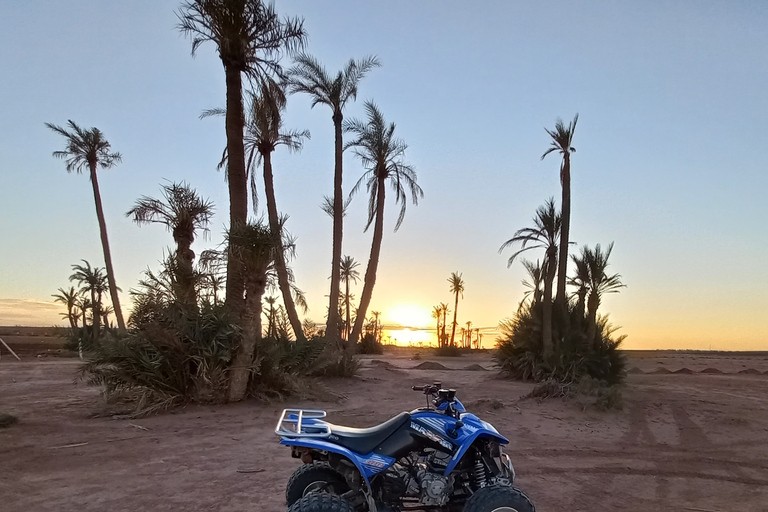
(409,315)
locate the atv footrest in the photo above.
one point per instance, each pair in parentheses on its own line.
(302,423)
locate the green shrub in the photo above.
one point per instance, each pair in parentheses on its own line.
(519,351)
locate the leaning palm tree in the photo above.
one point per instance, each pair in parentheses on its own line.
(599,283)
(255,246)
(382,155)
(562,138)
(89,149)
(183,212)
(310,77)
(250,38)
(456,287)
(264,133)
(543,235)
(348,274)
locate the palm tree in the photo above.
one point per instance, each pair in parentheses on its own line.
(182,212)
(562,138)
(382,155)
(543,235)
(69,298)
(310,77)
(598,282)
(348,273)
(89,149)
(255,246)
(437,312)
(264,134)
(534,293)
(250,38)
(93,281)
(443,337)
(469,335)
(456,288)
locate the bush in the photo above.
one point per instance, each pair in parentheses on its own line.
(369,345)
(6,420)
(450,351)
(519,350)
(175,355)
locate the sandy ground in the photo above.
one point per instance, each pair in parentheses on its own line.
(686,441)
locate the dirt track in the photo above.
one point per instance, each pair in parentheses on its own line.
(686,441)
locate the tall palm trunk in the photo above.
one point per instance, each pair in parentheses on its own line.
(593,302)
(107,254)
(455,311)
(238,191)
(347,326)
(546,306)
(280,266)
(443,338)
(562,268)
(186,274)
(332,326)
(437,330)
(373,263)
(240,370)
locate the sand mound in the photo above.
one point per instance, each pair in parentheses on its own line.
(686,371)
(750,371)
(475,368)
(661,371)
(381,364)
(634,369)
(711,370)
(429,365)
(485,404)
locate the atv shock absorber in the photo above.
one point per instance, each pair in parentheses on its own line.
(479,472)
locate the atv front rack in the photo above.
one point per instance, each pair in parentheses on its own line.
(302,423)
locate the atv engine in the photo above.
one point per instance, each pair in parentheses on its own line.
(419,477)
(435,488)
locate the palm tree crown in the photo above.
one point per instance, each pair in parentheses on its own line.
(86,148)
(310,77)
(248,33)
(183,212)
(381,153)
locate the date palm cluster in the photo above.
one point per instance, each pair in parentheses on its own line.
(199,328)
(554,334)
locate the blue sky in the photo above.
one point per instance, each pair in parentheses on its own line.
(669,162)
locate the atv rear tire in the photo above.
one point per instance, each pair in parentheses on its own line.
(499,498)
(321,502)
(315,477)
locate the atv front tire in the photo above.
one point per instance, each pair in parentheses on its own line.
(321,502)
(315,477)
(499,498)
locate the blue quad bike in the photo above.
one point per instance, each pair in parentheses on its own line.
(435,458)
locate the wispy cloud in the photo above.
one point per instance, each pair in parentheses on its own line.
(30,312)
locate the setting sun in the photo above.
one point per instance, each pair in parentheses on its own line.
(409,315)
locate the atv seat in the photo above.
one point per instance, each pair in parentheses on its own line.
(365,440)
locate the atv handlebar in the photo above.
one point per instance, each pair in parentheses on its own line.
(439,396)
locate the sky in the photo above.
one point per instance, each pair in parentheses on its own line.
(669,162)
